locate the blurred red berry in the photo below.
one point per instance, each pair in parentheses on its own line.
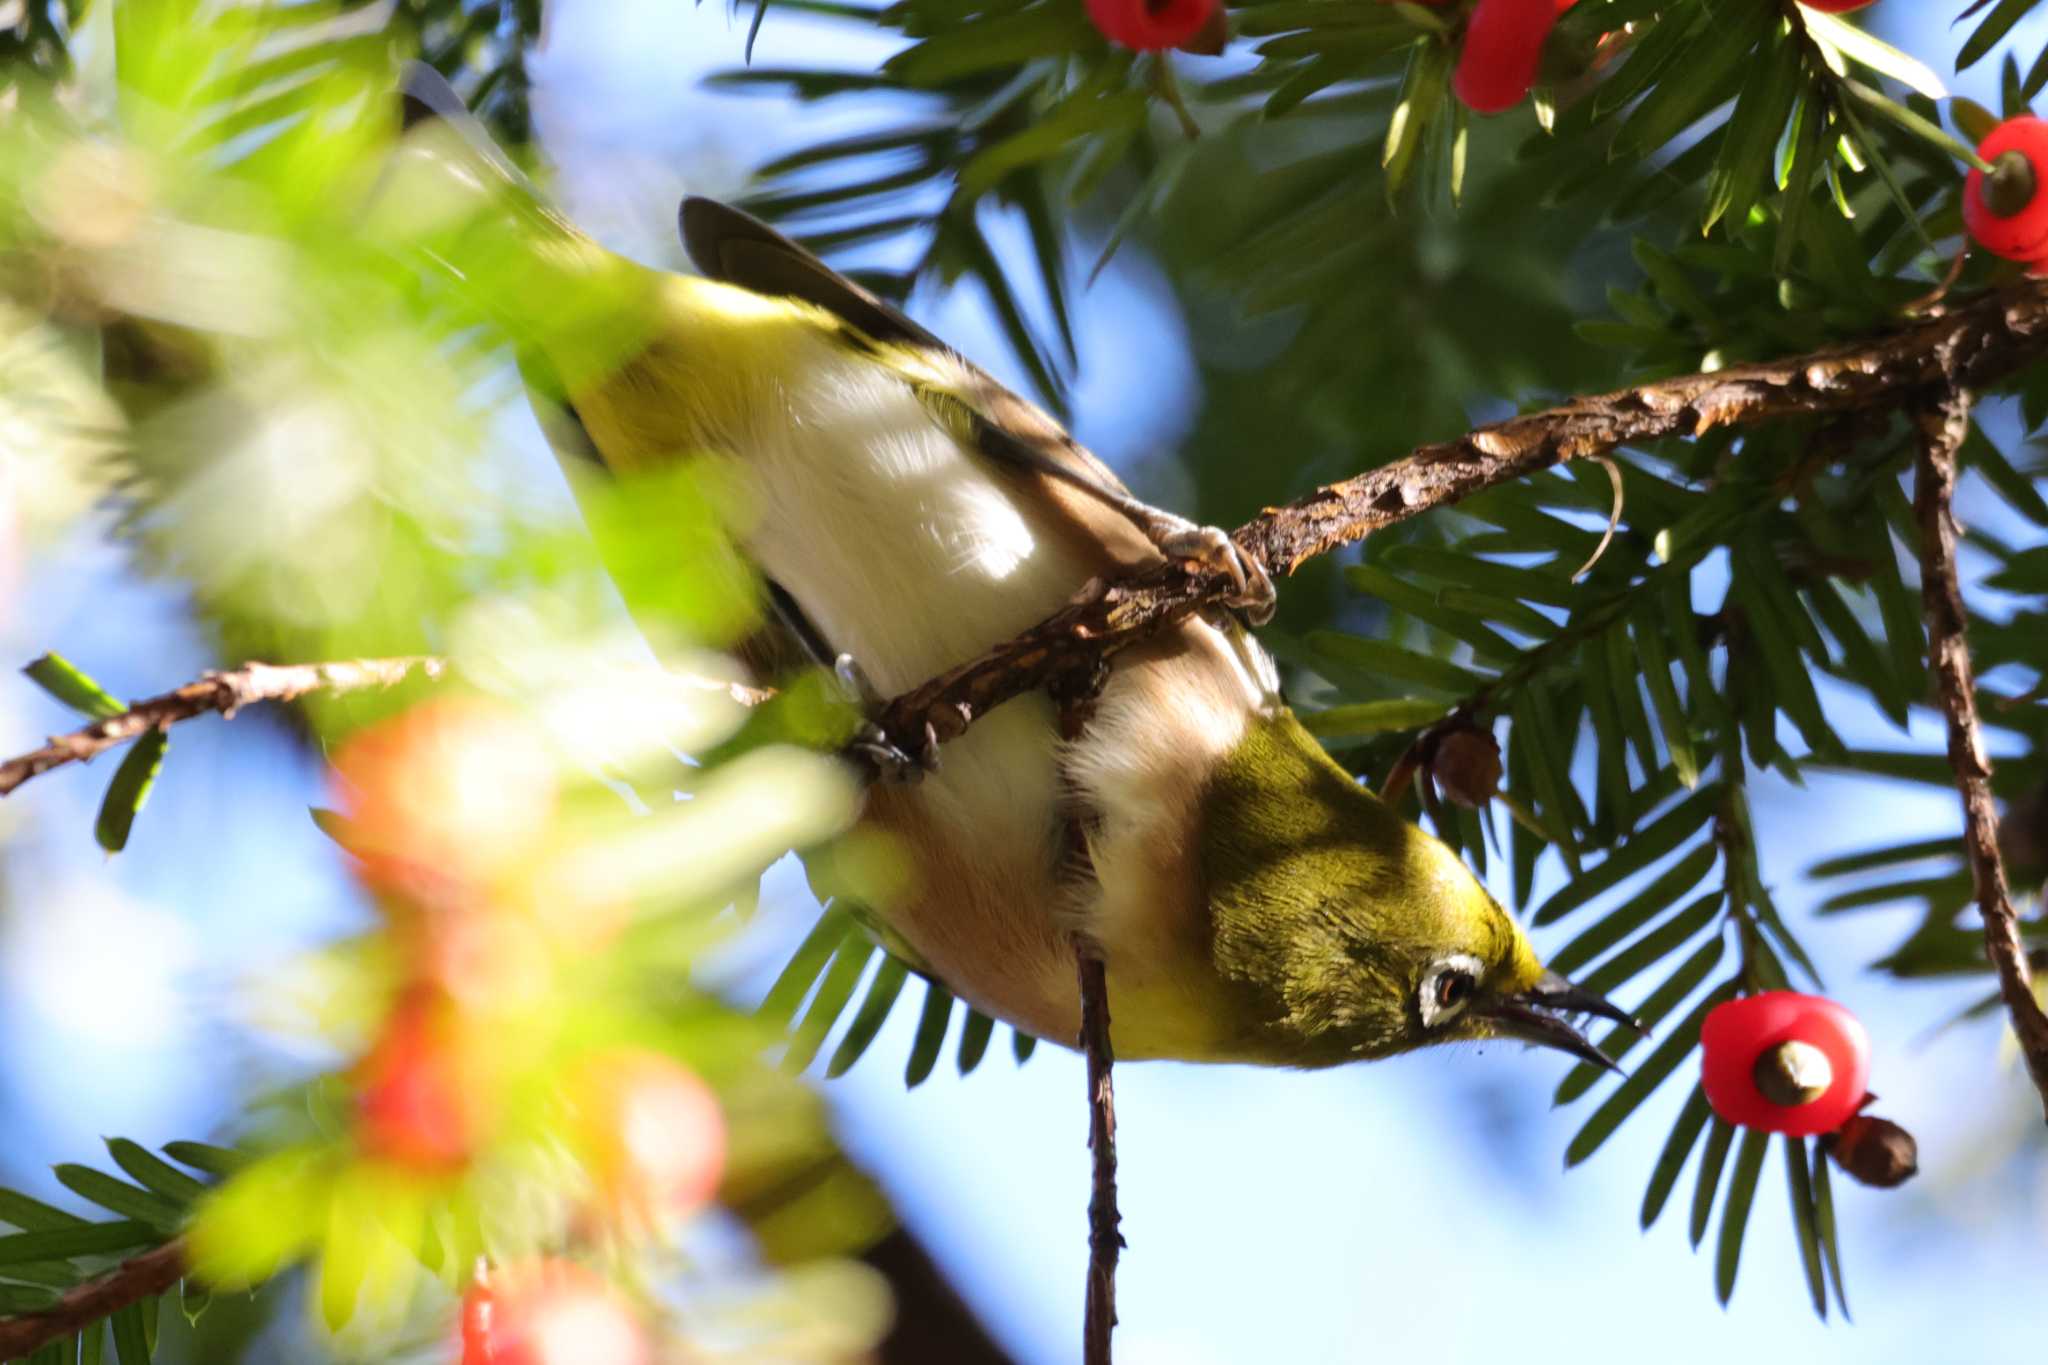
(2006,212)
(1150,25)
(652,1135)
(1503,45)
(549,1312)
(445,797)
(414,1101)
(1836,6)
(1783,1062)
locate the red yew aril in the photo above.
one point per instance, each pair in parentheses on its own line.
(1503,46)
(1150,25)
(1836,6)
(652,1135)
(2006,212)
(447,797)
(549,1312)
(1783,1062)
(415,1105)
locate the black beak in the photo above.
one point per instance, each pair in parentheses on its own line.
(1532,1017)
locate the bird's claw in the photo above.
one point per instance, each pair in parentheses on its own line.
(1210,548)
(871,745)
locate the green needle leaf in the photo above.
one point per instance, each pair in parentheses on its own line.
(1866,50)
(1636,1087)
(131,1337)
(81,1239)
(130,789)
(1654,841)
(27,1298)
(1995,27)
(32,1215)
(805,965)
(1744,162)
(118,1196)
(69,684)
(874,1011)
(154,1172)
(1655,661)
(931,1034)
(1653,947)
(1799,1185)
(1685,1135)
(1720,1137)
(974,1040)
(1824,1225)
(834,992)
(220,1162)
(1749,1163)
(1621,1040)
(1373,717)
(1632,914)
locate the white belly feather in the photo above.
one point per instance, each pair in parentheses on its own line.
(913,555)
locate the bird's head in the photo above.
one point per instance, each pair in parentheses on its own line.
(1355,934)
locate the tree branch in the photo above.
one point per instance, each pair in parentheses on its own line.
(1105,1241)
(225,693)
(1943,421)
(134,1280)
(1977,343)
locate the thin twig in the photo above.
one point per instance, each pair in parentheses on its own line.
(1943,422)
(134,1280)
(1105,1240)
(224,693)
(1974,344)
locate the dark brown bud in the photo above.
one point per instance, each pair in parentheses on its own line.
(1873,1150)
(1466,767)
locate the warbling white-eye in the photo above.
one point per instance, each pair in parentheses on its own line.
(1249,899)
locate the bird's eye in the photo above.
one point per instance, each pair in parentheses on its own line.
(1446,989)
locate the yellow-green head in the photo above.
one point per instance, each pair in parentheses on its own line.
(1350,932)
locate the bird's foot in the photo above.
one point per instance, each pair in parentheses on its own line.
(871,746)
(1210,548)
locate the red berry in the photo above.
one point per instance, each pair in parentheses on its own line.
(1503,44)
(1150,25)
(549,1312)
(1836,6)
(1774,1042)
(447,797)
(651,1134)
(2006,212)
(414,1104)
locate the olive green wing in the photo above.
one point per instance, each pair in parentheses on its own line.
(729,245)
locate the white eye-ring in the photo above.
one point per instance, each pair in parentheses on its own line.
(1447,987)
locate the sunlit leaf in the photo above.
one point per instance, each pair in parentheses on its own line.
(131,786)
(69,684)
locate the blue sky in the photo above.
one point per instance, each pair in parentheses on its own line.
(1415,1208)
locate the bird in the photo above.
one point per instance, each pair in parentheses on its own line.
(1248,899)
